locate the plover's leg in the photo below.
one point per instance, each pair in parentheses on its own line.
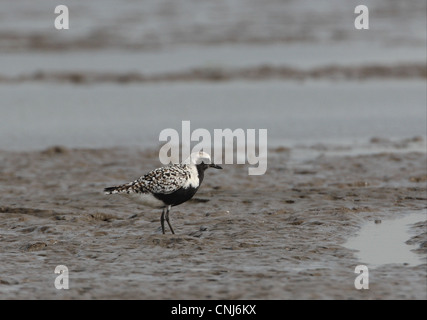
(167,219)
(162,220)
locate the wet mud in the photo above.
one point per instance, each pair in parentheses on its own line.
(275,236)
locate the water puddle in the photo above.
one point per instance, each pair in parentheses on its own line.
(384,243)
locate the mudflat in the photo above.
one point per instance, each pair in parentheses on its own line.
(275,236)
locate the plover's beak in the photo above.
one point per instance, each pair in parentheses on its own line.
(212,165)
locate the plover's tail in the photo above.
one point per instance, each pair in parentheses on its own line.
(112,190)
(124,188)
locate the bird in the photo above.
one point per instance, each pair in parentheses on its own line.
(168,186)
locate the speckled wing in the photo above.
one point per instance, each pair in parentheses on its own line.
(163,180)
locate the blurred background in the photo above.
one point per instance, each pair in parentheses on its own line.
(125,70)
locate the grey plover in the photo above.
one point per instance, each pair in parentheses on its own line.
(168,186)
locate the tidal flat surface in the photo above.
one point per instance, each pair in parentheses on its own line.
(277,236)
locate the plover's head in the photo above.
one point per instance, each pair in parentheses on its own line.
(201,158)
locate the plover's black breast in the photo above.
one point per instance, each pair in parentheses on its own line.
(177,197)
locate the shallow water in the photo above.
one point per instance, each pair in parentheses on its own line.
(98,116)
(384,242)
